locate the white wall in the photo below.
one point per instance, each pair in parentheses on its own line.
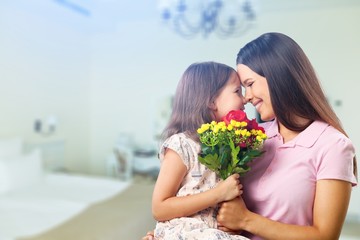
(105,74)
(44,71)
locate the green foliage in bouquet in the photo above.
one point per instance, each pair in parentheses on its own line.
(228,146)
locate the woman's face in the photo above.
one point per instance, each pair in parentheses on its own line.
(256,91)
(229,98)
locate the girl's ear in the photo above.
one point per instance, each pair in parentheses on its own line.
(212,106)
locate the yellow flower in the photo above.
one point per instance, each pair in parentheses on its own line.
(222,124)
(243,124)
(259,138)
(238,124)
(244,132)
(204,127)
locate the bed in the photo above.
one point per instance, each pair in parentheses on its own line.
(34,201)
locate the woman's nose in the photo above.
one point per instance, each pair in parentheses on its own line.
(247,96)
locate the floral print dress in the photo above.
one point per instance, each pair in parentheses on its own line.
(201,225)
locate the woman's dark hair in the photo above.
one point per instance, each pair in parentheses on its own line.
(199,85)
(295,90)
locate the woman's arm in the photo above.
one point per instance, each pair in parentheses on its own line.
(331,203)
(165,204)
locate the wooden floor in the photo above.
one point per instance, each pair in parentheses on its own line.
(126,216)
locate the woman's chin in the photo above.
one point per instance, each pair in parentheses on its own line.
(266,118)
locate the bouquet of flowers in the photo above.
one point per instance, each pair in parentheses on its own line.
(229,145)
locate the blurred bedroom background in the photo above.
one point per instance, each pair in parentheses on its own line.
(87,85)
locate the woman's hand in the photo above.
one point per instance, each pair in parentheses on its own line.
(149,236)
(228,230)
(230,188)
(231,215)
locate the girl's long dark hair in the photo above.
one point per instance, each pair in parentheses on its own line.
(199,85)
(295,90)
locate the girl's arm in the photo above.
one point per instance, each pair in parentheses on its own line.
(165,204)
(330,207)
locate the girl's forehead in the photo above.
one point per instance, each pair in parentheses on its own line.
(234,78)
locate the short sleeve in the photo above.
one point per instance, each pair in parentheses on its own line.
(337,160)
(181,145)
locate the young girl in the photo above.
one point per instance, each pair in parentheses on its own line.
(186,193)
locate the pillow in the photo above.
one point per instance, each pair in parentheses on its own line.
(11,147)
(22,171)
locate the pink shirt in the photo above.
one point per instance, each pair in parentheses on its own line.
(281,184)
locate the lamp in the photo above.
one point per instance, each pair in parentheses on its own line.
(226,18)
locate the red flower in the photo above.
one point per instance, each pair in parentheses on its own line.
(253,124)
(237,115)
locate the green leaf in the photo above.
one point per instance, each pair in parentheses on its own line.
(224,153)
(211,161)
(223,174)
(241,170)
(205,149)
(234,153)
(249,155)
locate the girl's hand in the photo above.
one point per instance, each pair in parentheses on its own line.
(228,230)
(149,236)
(230,188)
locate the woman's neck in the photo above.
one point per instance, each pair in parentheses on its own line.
(289,134)
(286,133)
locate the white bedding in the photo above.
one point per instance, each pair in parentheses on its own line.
(48,203)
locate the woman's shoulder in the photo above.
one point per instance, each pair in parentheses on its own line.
(335,153)
(331,134)
(328,140)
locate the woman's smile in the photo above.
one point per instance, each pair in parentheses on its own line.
(257,104)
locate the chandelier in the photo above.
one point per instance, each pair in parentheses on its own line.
(225,18)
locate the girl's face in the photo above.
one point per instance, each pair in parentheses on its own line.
(229,98)
(256,91)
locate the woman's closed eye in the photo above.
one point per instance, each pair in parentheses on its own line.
(248,84)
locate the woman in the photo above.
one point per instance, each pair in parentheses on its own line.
(301,187)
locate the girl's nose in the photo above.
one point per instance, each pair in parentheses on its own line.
(245,101)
